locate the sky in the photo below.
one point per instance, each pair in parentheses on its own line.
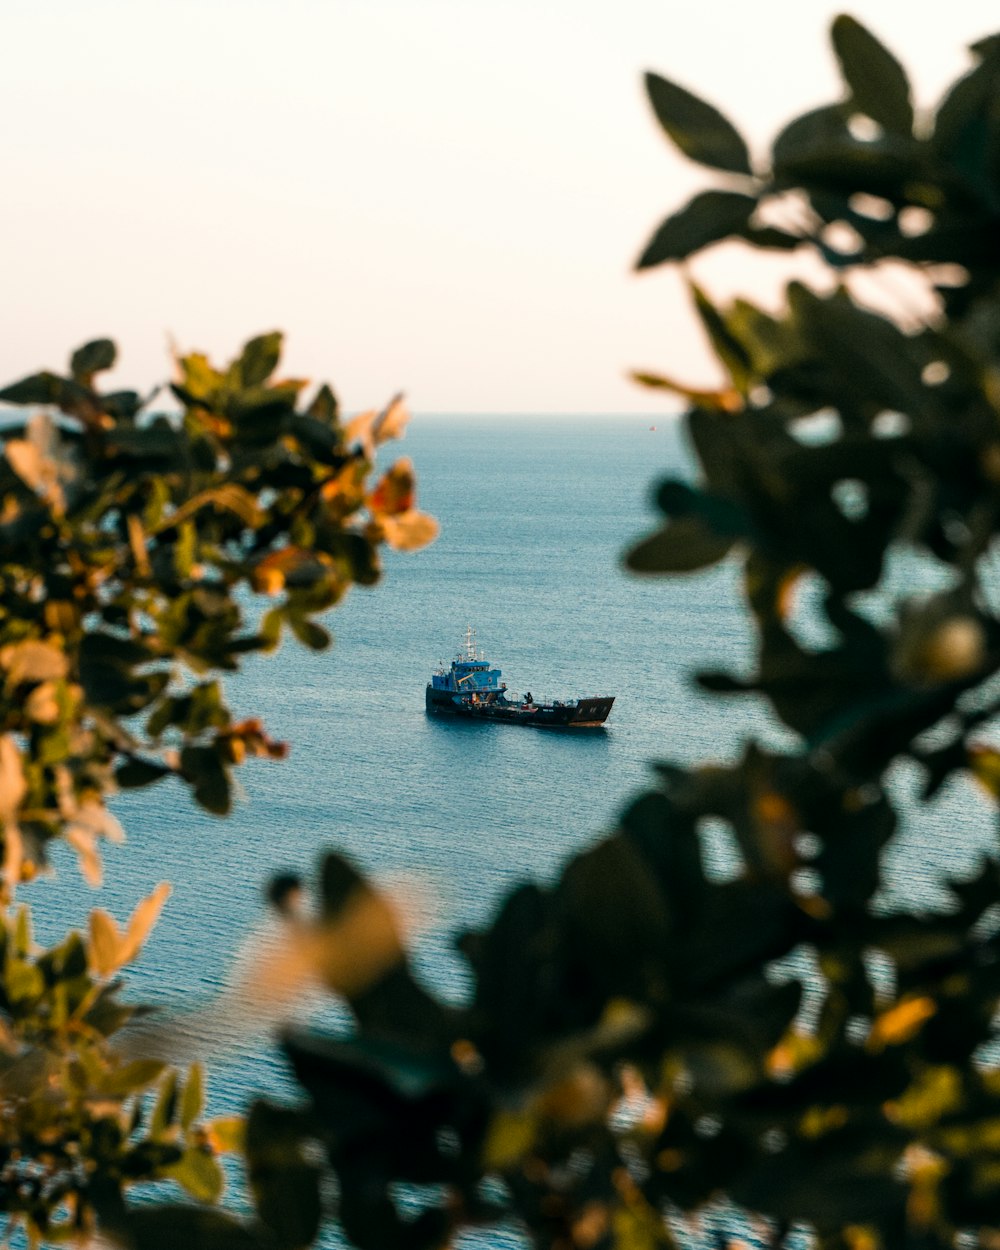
(444,197)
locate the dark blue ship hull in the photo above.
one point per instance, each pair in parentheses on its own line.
(581,714)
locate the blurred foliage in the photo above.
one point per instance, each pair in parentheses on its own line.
(132,545)
(645,1037)
(81,1120)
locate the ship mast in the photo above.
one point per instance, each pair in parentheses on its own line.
(471,652)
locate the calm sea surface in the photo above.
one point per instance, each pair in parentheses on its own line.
(534,516)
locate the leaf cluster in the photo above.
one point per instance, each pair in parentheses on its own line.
(643,1036)
(133,543)
(862,179)
(84,1119)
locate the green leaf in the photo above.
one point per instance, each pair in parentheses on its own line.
(771,345)
(22,980)
(260,358)
(324,406)
(155,446)
(285,1186)
(114,649)
(193,1098)
(682,546)
(697,128)
(91,358)
(165,1107)
(772,237)
(321,439)
(135,773)
(199,1172)
(730,351)
(111,686)
(205,772)
(819,130)
(311,635)
(133,1076)
(878,83)
(270,627)
(185,549)
(22,930)
(47,388)
(869,356)
(171,711)
(199,380)
(963,131)
(124,405)
(708,218)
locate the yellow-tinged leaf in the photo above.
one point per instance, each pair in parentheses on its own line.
(511,1136)
(89,821)
(22,930)
(93,816)
(589,1227)
(146,914)
(42,461)
(932,648)
(42,704)
(784,599)
(200,1174)
(193,1098)
(639,1226)
(925,1171)
(726,400)
(862,1237)
(409,531)
(110,948)
(105,943)
(776,825)
(581,1096)
(33,660)
(268,581)
(137,543)
(360,945)
(391,421)
(226,1134)
(901,1022)
(818,1121)
(795,1051)
(12,784)
(196,375)
(229,497)
(128,1078)
(344,493)
(84,842)
(978,1137)
(13,858)
(395,491)
(984,764)
(23,980)
(935,1092)
(289,564)
(26,461)
(359,430)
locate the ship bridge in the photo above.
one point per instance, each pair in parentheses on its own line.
(470,671)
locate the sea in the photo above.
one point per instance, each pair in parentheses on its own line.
(535,514)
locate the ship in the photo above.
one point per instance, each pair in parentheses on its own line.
(471,688)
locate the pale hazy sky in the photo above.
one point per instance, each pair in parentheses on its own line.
(443,196)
